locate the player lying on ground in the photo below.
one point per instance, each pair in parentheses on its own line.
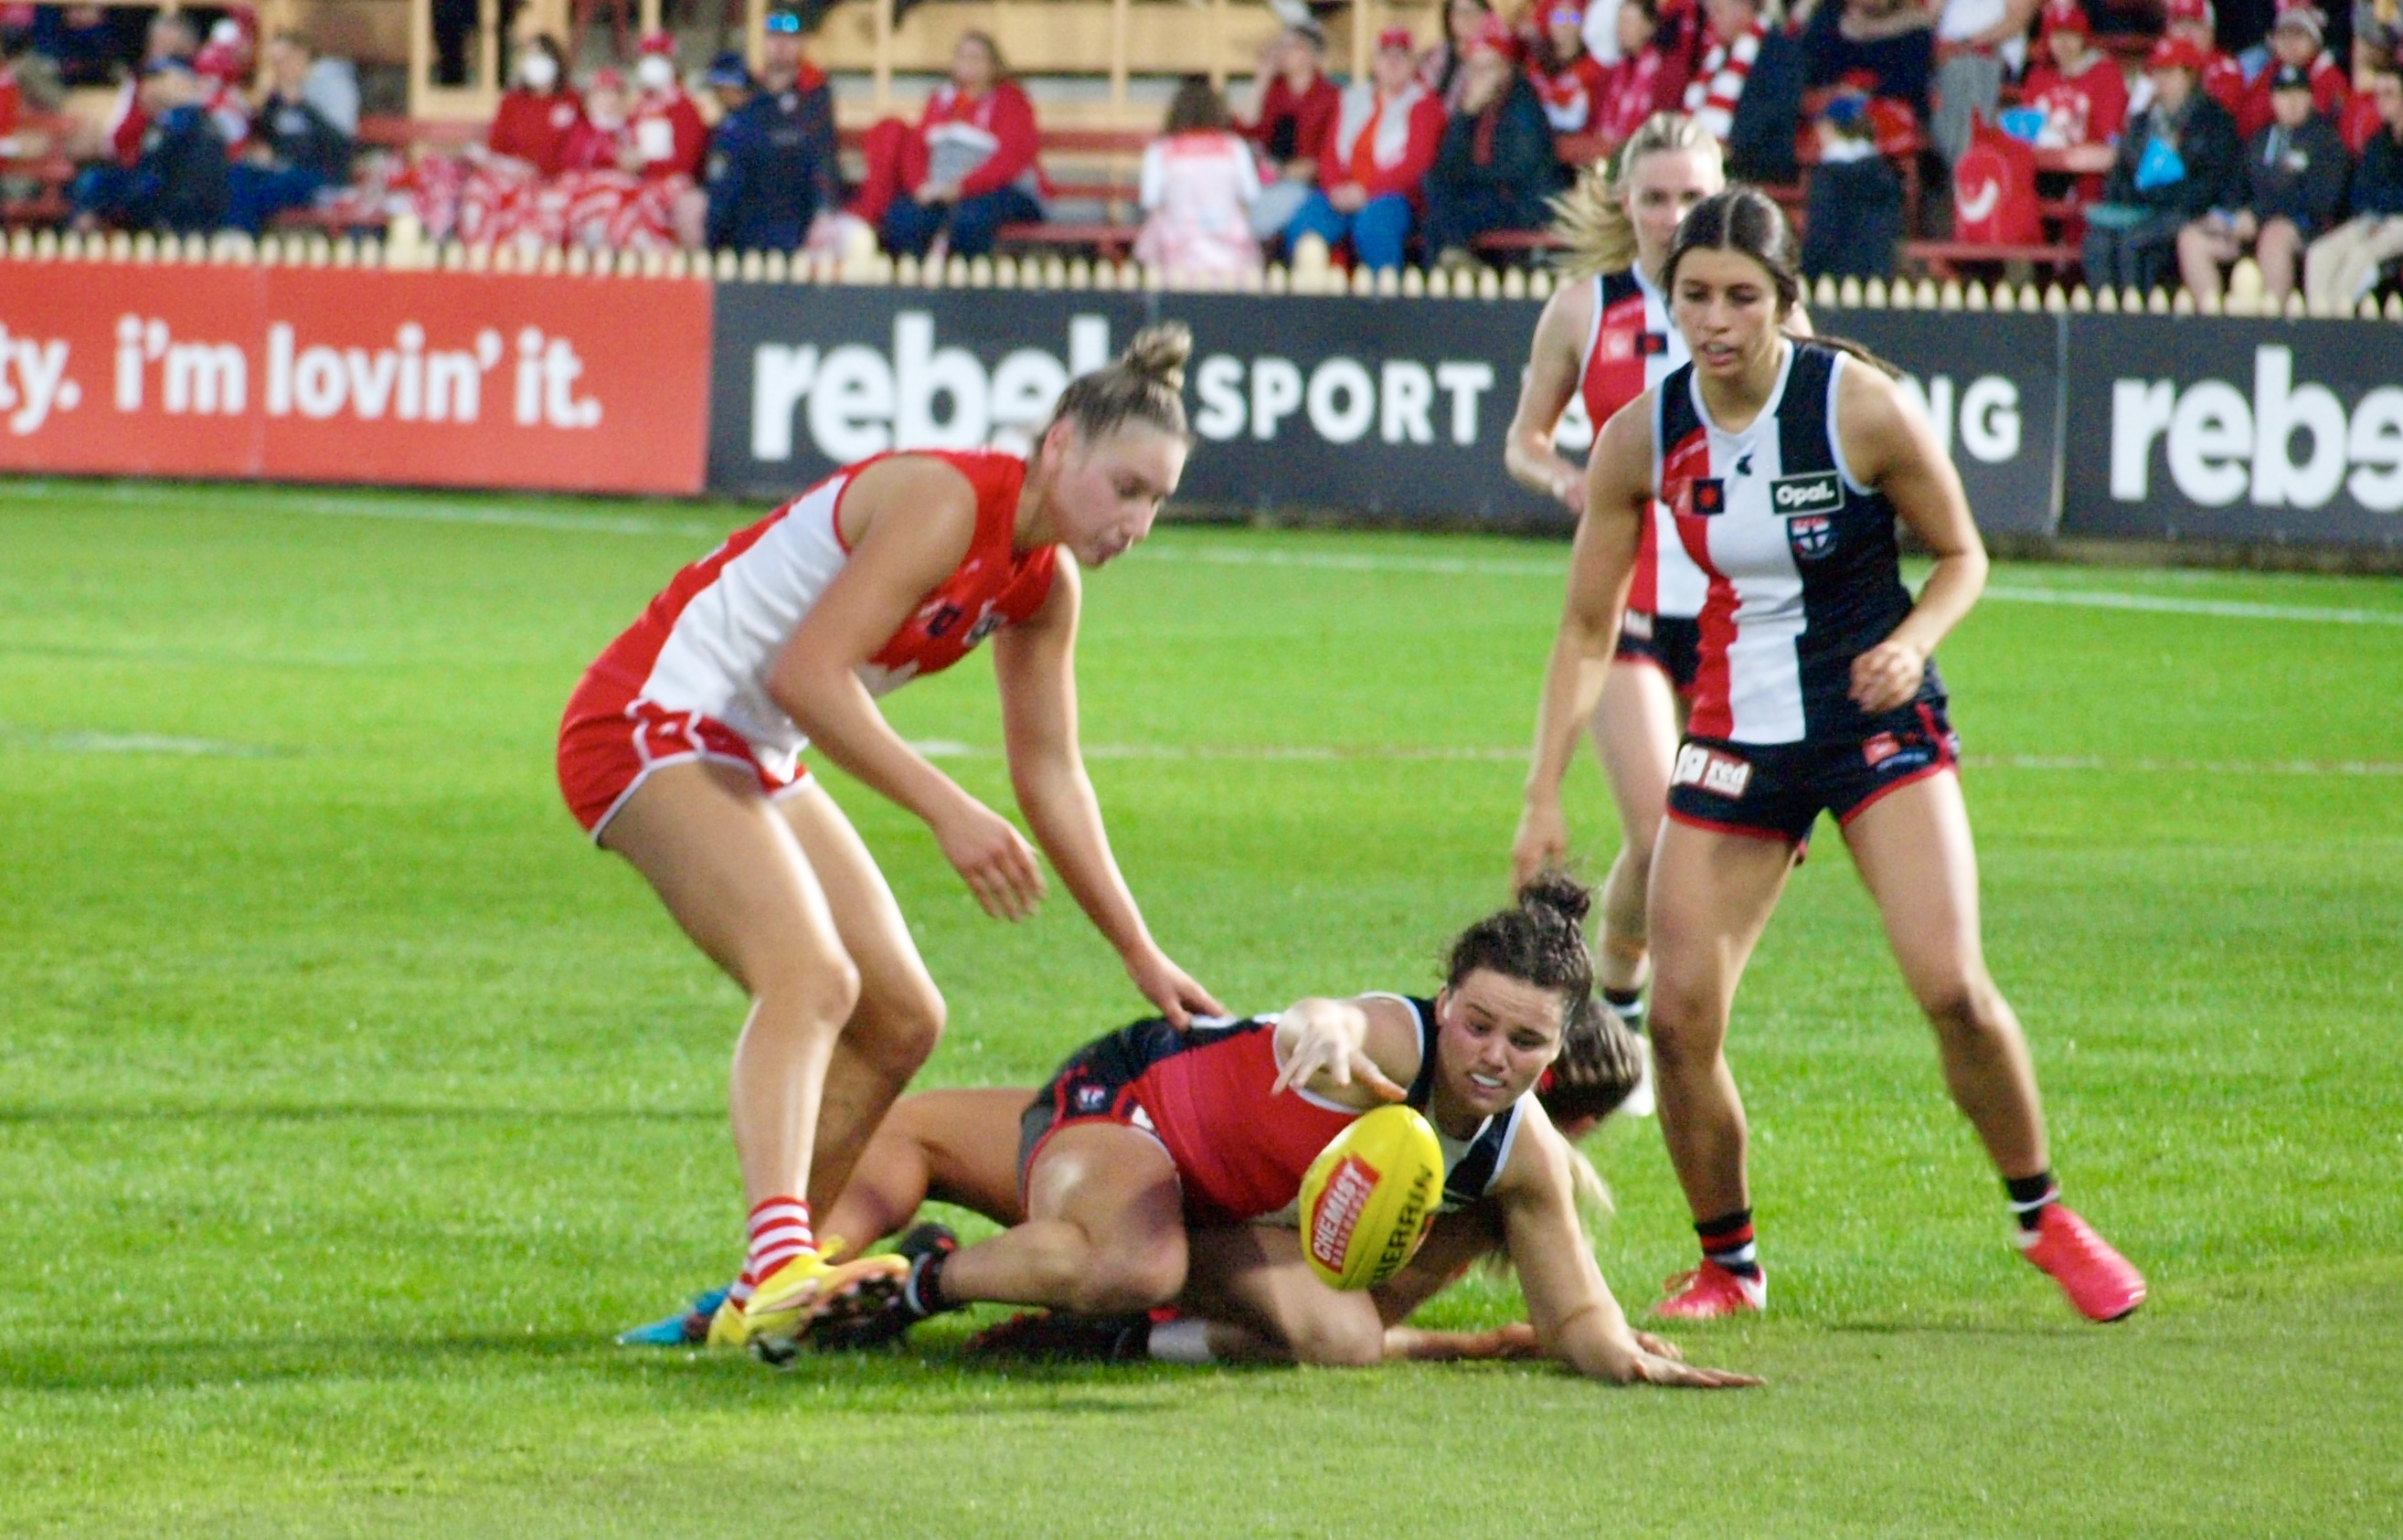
(1155,1165)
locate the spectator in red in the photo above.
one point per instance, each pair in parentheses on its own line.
(224,64)
(1643,80)
(2080,90)
(539,114)
(1736,32)
(977,145)
(1298,109)
(2194,22)
(1375,159)
(1572,84)
(668,134)
(1495,168)
(2297,41)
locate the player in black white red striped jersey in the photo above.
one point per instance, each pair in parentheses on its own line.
(1604,337)
(1784,464)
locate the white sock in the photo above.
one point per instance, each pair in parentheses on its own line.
(1183,1340)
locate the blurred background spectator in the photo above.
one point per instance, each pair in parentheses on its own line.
(2296,42)
(1198,185)
(1977,43)
(178,181)
(1748,92)
(974,160)
(1885,49)
(1853,223)
(536,115)
(2292,191)
(2342,266)
(2179,161)
(668,129)
(2080,92)
(1296,110)
(773,168)
(1375,159)
(1494,169)
(1441,69)
(1570,82)
(295,151)
(1641,79)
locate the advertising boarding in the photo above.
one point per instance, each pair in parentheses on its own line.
(316,374)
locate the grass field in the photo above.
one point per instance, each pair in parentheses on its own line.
(348,1102)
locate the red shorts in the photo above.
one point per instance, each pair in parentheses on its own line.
(609,745)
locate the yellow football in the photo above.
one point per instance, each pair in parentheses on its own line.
(1367,1199)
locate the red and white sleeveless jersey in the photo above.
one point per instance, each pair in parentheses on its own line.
(1630,348)
(706,643)
(1803,570)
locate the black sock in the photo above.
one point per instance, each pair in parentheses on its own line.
(1629,1004)
(2031,1196)
(922,1291)
(1728,1241)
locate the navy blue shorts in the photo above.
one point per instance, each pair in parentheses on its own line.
(1670,643)
(1776,791)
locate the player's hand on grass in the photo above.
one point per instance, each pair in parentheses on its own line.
(1172,989)
(1542,840)
(1644,1359)
(993,858)
(1887,675)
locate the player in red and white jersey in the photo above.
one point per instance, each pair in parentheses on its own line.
(1161,1166)
(1604,337)
(680,753)
(1785,465)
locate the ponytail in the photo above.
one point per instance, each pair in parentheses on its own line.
(1591,218)
(1144,386)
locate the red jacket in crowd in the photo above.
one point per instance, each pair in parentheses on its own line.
(669,133)
(1384,146)
(1311,114)
(536,128)
(2090,107)
(1575,96)
(2330,95)
(999,125)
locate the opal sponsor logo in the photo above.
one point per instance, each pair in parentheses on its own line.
(1821,491)
(2281,444)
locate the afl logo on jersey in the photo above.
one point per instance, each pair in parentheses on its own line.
(1709,496)
(1821,491)
(1652,344)
(1814,534)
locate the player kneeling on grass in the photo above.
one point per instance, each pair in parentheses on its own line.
(1163,1168)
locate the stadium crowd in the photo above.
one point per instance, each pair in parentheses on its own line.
(2233,137)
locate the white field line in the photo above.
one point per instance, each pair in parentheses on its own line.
(942,748)
(447,511)
(1557,571)
(131,743)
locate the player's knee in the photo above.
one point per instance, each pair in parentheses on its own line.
(1351,1340)
(823,990)
(1963,1007)
(1684,1026)
(1117,1282)
(909,1024)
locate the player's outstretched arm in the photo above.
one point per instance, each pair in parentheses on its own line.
(1889,444)
(1575,1317)
(1618,485)
(1035,667)
(1355,1052)
(1545,390)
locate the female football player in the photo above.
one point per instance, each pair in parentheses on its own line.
(1158,1163)
(1783,464)
(679,752)
(1604,336)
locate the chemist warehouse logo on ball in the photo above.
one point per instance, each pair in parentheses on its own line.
(2281,444)
(852,400)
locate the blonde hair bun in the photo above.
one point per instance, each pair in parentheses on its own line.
(1158,353)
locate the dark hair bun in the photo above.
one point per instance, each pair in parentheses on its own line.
(1159,352)
(1558,892)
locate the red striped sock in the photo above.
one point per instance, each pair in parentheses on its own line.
(780,1231)
(741,1292)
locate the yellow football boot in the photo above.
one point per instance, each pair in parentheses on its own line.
(782,1307)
